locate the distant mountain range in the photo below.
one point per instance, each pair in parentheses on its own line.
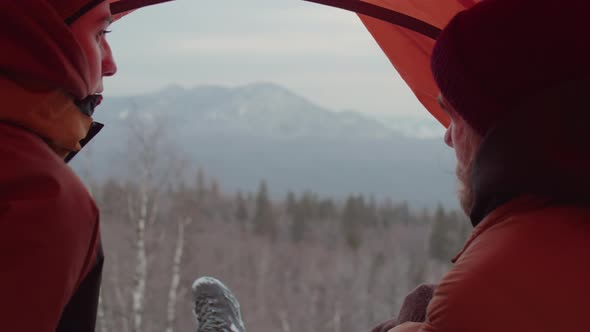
(264,131)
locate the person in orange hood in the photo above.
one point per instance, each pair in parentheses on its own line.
(514,78)
(53,59)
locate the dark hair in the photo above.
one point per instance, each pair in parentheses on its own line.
(540,148)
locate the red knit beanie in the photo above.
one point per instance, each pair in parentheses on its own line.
(493,56)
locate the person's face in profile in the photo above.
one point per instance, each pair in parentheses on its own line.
(90,31)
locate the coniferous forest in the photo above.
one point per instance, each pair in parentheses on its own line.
(301,262)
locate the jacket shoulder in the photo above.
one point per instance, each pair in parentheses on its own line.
(31,172)
(522,274)
(49,231)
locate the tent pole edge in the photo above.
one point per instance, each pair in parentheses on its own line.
(384,14)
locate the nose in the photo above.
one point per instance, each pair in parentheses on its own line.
(449,136)
(109,66)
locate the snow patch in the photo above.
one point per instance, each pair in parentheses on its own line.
(124,114)
(206,281)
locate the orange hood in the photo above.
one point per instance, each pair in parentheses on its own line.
(43,70)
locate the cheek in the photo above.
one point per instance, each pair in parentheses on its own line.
(449,136)
(95,58)
(92,54)
(461,144)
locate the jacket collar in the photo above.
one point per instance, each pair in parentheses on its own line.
(52,115)
(540,149)
(502,214)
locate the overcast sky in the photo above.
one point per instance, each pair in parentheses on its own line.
(323,54)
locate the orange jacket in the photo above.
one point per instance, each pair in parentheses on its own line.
(525,266)
(523,269)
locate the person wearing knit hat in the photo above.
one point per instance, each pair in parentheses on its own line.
(53,59)
(514,78)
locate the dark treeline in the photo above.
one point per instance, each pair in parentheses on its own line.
(299,263)
(304,262)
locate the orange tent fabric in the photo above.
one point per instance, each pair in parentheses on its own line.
(405,30)
(408,44)
(409,51)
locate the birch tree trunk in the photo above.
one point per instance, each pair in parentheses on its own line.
(176,273)
(121,302)
(141,265)
(337,319)
(284,317)
(102,322)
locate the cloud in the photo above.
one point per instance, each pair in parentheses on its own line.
(323,53)
(286,43)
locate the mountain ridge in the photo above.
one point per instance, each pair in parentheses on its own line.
(244,134)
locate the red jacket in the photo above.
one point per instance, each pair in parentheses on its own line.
(523,269)
(49,234)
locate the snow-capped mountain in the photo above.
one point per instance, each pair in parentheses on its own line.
(262,109)
(264,131)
